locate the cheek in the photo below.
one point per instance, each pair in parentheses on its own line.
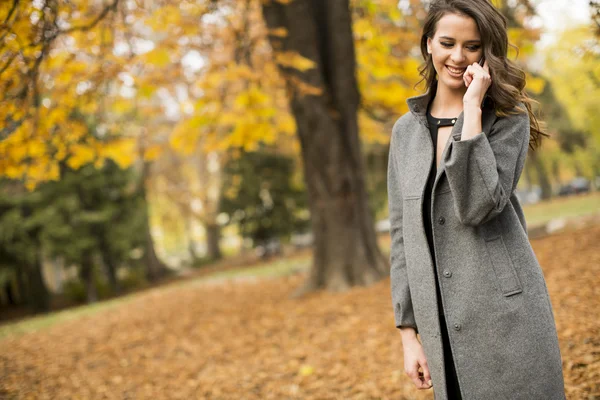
(438,61)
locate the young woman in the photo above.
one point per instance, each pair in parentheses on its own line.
(463,274)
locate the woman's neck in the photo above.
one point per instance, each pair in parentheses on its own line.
(447,103)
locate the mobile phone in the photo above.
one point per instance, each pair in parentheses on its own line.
(482,61)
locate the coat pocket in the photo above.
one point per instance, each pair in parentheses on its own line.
(503,266)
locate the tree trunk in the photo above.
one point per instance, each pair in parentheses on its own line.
(191,242)
(22,285)
(213,236)
(111,272)
(87,276)
(527,176)
(39,297)
(345,247)
(556,173)
(155,269)
(9,289)
(542,175)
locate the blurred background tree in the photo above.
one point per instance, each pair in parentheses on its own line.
(135,134)
(259,196)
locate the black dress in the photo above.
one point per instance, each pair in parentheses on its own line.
(451,379)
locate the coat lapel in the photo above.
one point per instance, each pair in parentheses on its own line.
(455,133)
(418,106)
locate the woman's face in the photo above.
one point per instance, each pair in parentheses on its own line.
(455,45)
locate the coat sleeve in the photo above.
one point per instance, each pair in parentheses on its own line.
(483,171)
(401,300)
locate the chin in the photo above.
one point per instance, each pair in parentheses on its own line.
(452,83)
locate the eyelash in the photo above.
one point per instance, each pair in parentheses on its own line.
(471,48)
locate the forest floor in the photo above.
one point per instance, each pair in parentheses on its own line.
(247,339)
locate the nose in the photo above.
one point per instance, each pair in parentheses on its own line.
(457,55)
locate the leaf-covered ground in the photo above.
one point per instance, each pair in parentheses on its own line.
(249,340)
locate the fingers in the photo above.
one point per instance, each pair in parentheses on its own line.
(412,371)
(468,76)
(477,70)
(426,374)
(421,378)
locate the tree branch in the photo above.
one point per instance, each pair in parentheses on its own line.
(8,17)
(100,17)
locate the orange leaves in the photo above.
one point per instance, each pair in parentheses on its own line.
(269,345)
(286,124)
(303,88)
(277,1)
(152,152)
(278,32)
(292,59)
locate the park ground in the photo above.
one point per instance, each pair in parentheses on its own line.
(243,337)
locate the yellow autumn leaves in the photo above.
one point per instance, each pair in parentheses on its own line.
(121,91)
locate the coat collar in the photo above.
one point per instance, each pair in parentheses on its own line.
(418,104)
(418,107)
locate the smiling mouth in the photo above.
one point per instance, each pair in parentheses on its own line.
(455,71)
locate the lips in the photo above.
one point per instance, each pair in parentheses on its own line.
(456,72)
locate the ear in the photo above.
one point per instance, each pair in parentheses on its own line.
(428,45)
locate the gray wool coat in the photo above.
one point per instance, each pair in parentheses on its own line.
(500,320)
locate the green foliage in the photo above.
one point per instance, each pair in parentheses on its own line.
(558,121)
(258,194)
(134,279)
(200,262)
(93,210)
(573,69)
(75,291)
(89,211)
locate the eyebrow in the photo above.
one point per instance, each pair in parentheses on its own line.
(468,41)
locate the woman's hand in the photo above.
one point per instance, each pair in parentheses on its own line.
(478,81)
(415,363)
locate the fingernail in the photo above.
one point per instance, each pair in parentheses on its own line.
(429,382)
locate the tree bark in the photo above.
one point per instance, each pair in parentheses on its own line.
(155,269)
(9,289)
(39,297)
(86,273)
(527,176)
(111,272)
(22,285)
(556,173)
(542,175)
(345,247)
(213,236)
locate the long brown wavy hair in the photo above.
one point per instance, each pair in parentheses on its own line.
(508,80)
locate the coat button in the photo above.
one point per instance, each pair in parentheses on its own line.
(447,273)
(442,220)
(457,327)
